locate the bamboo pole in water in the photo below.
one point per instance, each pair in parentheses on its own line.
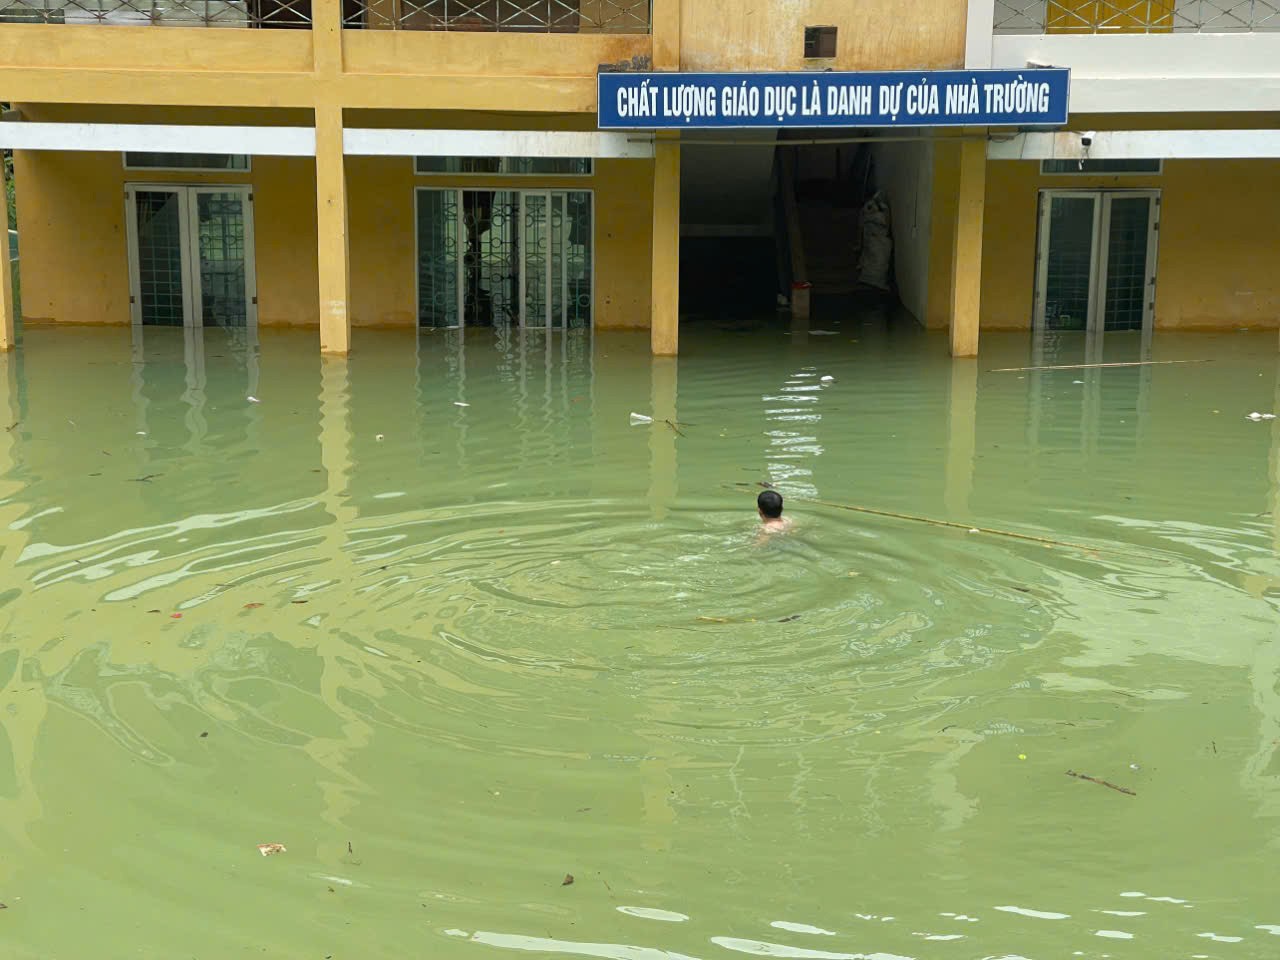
(1047,541)
(932,521)
(1091,366)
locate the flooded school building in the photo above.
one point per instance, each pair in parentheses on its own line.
(460,163)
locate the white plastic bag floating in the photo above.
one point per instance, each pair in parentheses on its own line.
(1256,416)
(877,243)
(639,419)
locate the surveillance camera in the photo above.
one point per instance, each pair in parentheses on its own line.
(1086,139)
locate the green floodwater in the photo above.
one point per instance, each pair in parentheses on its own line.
(452,628)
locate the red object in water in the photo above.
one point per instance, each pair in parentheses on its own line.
(801,285)
(175,616)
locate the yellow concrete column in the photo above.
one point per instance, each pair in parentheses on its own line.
(331,229)
(966,250)
(331,182)
(8,322)
(665,33)
(664,279)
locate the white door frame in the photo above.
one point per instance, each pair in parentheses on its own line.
(188,227)
(1094,322)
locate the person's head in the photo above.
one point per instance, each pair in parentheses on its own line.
(770,504)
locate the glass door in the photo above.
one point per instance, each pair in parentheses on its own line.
(490,262)
(504,258)
(1066,285)
(158,256)
(1096,260)
(191,255)
(535,256)
(223,237)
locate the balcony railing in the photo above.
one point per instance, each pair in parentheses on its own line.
(501,16)
(287,14)
(1136,16)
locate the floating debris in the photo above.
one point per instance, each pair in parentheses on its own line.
(1101,783)
(1256,416)
(639,419)
(253,399)
(568,879)
(270,849)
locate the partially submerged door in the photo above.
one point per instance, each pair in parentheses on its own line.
(191,255)
(504,258)
(1096,260)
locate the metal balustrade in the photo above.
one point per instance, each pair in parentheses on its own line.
(288,14)
(1136,16)
(502,16)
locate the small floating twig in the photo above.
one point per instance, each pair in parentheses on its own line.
(1101,783)
(1092,366)
(677,430)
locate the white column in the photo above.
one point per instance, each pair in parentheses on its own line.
(979,27)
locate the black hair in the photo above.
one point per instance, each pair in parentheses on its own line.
(770,504)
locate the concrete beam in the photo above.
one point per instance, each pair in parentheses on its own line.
(1155,73)
(496,143)
(1139,145)
(159,138)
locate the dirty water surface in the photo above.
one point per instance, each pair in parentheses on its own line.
(503,674)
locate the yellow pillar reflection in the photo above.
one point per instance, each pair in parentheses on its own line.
(20,723)
(657,782)
(662,436)
(962,418)
(333,753)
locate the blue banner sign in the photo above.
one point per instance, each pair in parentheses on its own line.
(921,98)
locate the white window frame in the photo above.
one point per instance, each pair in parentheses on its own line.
(591,171)
(124,161)
(1077,172)
(1094,323)
(192,299)
(461,246)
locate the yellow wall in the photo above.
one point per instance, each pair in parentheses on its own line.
(624,228)
(74,249)
(1216,266)
(872,34)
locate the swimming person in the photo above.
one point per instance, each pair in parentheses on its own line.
(769,503)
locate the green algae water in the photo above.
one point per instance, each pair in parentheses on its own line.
(442,622)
